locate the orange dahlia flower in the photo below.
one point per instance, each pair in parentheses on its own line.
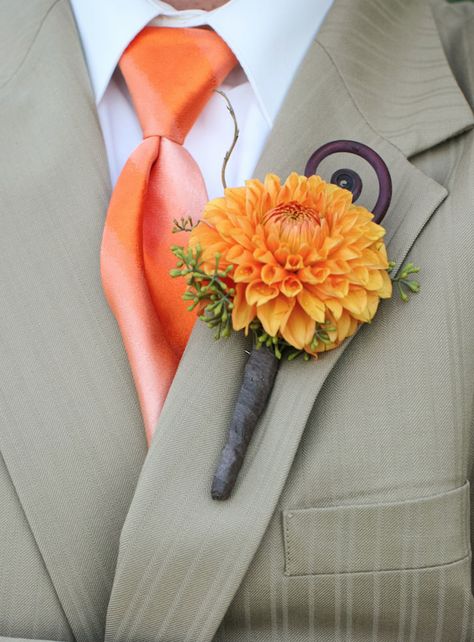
(302,255)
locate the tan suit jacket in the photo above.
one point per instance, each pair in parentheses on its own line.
(351,517)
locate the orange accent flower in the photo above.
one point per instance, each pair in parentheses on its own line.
(302,254)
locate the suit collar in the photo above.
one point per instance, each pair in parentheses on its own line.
(390,56)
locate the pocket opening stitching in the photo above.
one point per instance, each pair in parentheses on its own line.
(465,557)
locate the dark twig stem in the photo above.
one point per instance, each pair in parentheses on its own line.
(259,377)
(349,176)
(234,141)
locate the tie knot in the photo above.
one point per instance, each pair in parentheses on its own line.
(171,74)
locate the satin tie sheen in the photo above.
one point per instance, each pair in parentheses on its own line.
(171,74)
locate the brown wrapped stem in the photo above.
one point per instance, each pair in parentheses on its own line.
(259,377)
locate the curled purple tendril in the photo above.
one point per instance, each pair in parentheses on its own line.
(348,179)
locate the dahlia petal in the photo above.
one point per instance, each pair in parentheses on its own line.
(363,317)
(353,328)
(329,244)
(333,287)
(343,326)
(314,275)
(335,307)
(386,290)
(243,314)
(314,181)
(305,246)
(238,255)
(214,209)
(299,328)
(355,301)
(346,253)
(234,198)
(255,193)
(360,276)
(294,262)
(382,252)
(375,280)
(305,275)
(204,235)
(242,239)
(313,306)
(247,273)
(374,231)
(291,287)
(264,256)
(332,331)
(210,251)
(299,189)
(272,185)
(338,266)
(258,293)
(347,224)
(274,314)
(373,258)
(272,274)
(245,227)
(361,214)
(314,256)
(273,241)
(372,304)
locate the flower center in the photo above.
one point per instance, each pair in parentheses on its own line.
(294,224)
(292,213)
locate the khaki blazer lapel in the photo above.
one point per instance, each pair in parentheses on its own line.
(183,556)
(70,428)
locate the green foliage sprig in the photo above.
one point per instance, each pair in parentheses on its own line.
(209,292)
(404,281)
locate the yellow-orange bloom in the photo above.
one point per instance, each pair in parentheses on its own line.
(302,254)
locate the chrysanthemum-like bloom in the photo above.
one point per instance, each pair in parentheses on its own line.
(303,255)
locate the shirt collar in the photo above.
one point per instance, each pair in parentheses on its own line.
(268,37)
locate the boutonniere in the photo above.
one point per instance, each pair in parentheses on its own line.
(296,264)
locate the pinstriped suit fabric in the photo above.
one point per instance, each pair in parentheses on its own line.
(383,460)
(65,379)
(386,461)
(351,520)
(24,568)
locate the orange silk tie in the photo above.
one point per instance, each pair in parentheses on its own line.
(171,74)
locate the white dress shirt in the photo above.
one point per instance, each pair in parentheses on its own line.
(269,39)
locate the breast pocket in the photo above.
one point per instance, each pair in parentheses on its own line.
(419,533)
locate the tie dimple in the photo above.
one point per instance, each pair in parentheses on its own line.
(171,74)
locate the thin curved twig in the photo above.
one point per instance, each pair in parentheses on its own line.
(236,136)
